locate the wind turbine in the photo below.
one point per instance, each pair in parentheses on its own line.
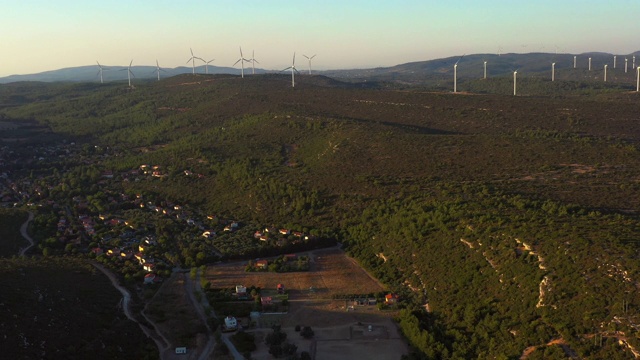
(614,61)
(589,64)
(253,62)
(293,70)
(515,73)
(129,72)
(309,58)
(638,81)
(574,61)
(100,71)
(241,61)
(553,71)
(158,69)
(626,61)
(485,69)
(634,62)
(605,72)
(455,75)
(193,61)
(206,65)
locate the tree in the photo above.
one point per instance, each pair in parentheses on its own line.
(307,332)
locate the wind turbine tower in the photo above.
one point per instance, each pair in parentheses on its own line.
(241,61)
(626,62)
(634,62)
(614,61)
(253,62)
(553,71)
(293,70)
(605,72)
(309,58)
(455,75)
(574,61)
(485,70)
(158,69)
(129,72)
(515,73)
(206,65)
(102,68)
(589,64)
(193,61)
(638,80)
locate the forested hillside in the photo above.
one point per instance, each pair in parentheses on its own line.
(504,222)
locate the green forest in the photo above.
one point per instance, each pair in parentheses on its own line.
(504,222)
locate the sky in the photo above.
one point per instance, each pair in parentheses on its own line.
(41,35)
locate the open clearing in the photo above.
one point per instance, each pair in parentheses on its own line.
(339,334)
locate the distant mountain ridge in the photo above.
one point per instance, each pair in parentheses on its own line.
(469,66)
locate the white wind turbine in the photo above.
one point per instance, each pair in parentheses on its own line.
(293,70)
(253,62)
(241,61)
(485,69)
(129,72)
(309,58)
(455,75)
(158,69)
(589,64)
(626,62)
(102,68)
(634,62)
(515,73)
(605,72)
(193,61)
(638,80)
(553,71)
(574,61)
(206,65)
(614,61)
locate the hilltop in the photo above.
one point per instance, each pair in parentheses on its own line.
(503,222)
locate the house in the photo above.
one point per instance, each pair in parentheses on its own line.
(149,279)
(97,251)
(142,247)
(126,255)
(241,289)
(149,267)
(258,234)
(284,231)
(266,300)
(391,298)
(209,234)
(297,234)
(261,264)
(230,323)
(263,238)
(280,288)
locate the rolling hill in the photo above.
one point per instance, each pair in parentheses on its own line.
(515,219)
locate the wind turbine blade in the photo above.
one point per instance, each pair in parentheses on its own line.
(294,58)
(131,63)
(256,61)
(285,69)
(190,49)
(158,65)
(241,52)
(235,63)
(305,56)
(314,55)
(189,59)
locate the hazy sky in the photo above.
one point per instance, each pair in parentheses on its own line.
(40,35)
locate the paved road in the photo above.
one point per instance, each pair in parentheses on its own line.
(23,231)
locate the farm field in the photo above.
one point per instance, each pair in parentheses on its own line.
(332,272)
(339,333)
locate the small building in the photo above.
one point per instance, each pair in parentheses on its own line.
(261,264)
(266,300)
(230,323)
(241,289)
(280,288)
(391,298)
(149,279)
(149,267)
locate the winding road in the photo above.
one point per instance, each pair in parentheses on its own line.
(23,231)
(163,347)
